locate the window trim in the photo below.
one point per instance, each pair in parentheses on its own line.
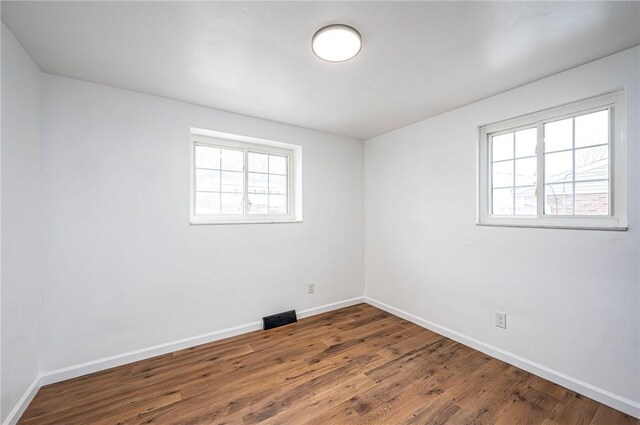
(616,220)
(247,144)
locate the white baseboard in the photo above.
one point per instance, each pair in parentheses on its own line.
(74,371)
(603,396)
(329,307)
(24,401)
(86,368)
(606,397)
(169,347)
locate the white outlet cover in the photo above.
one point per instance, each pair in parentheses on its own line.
(501,320)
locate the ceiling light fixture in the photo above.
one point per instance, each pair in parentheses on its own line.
(336,43)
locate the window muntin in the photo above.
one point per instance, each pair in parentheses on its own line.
(576,165)
(268,183)
(234,181)
(219,180)
(513,172)
(563,167)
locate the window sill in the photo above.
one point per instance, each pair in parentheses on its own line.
(557,226)
(200,221)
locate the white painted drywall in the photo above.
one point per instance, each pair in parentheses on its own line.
(572,296)
(21,220)
(125,270)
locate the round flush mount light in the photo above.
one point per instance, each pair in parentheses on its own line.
(336,43)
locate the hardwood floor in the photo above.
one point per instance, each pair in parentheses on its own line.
(357,365)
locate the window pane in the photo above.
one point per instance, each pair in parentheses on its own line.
(258,162)
(232,160)
(592,129)
(208,180)
(231,203)
(526,201)
(277,164)
(207,203)
(277,204)
(526,171)
(592,198)
(207,157)
(526,141)
(277,184)
(558,199)
(558,135)
(232,182)
(502,147)
(592,163)
(502,174)
(258,183)
(258,204)
(558,167)
(502,201)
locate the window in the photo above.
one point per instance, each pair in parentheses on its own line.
(242,180)
(564,167)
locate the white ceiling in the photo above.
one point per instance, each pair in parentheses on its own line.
(418,59)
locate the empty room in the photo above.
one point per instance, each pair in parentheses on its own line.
(322,213)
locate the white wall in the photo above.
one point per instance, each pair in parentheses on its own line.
(572,297)
(21,220)
(125,270)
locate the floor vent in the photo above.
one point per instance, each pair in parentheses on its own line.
(279,319)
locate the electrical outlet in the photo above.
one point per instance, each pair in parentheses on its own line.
(311,288)
(501,320)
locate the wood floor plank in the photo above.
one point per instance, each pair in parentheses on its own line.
(573,409)
(320,403)
(353,366)
(528,406)
(606,415)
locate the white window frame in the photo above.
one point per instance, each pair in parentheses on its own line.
(617,218)
(248,144)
